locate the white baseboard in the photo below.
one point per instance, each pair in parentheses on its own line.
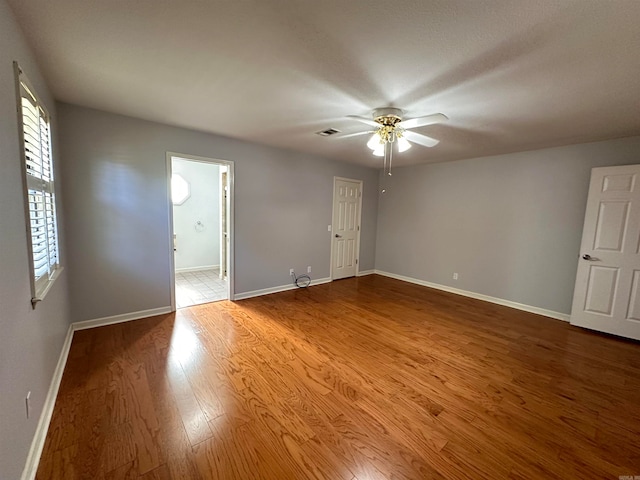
(196,269)
(125,317)
(37,444)
(500,301)
(281,288)
(362,273)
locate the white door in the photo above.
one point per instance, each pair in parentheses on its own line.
(607,294)
(345,230)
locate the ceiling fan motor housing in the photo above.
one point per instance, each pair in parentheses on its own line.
(387,116)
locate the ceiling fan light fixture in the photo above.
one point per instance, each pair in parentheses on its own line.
(374,142)
(390,127)
(403,144)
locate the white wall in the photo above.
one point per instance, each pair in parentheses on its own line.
(198,247)
(510,225)
(117,210)
(30,340)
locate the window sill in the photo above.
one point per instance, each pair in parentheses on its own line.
(39,296)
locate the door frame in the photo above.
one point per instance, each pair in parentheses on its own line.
(333,200)
(224,225)
(230,251)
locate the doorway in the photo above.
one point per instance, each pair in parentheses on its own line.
(200,198)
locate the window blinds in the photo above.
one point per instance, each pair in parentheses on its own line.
(39,186)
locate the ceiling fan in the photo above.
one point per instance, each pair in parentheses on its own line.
(389,128)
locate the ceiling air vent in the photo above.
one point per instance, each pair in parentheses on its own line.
(327,132)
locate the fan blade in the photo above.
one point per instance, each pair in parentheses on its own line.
(365,120)
(357,134)
(420,139)
(423,121)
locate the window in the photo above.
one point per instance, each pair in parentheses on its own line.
(180,189)
(40,205)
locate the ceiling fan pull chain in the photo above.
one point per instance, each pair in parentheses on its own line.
(384,164)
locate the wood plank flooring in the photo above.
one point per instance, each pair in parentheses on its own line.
(360,379)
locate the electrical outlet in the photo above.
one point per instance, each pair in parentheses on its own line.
(27,403)
(291,272)
(309,269)
(455,276)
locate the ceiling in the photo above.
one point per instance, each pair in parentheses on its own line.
(511,75)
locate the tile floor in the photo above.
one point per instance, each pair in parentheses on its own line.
(202,286)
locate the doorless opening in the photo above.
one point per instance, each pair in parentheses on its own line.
(200,192)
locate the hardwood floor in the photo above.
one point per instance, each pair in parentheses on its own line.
(367,378)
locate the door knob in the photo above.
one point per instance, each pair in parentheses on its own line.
(338,236)
(586,256)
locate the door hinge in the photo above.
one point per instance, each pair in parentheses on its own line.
(356,261)
(358,227)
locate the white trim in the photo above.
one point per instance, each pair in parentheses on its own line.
(196,269)
(333,222)
(125,317)
(172,251)
(40,435)
(230,251)
(479,296)
(365,272)
(281,288)
(39,296)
